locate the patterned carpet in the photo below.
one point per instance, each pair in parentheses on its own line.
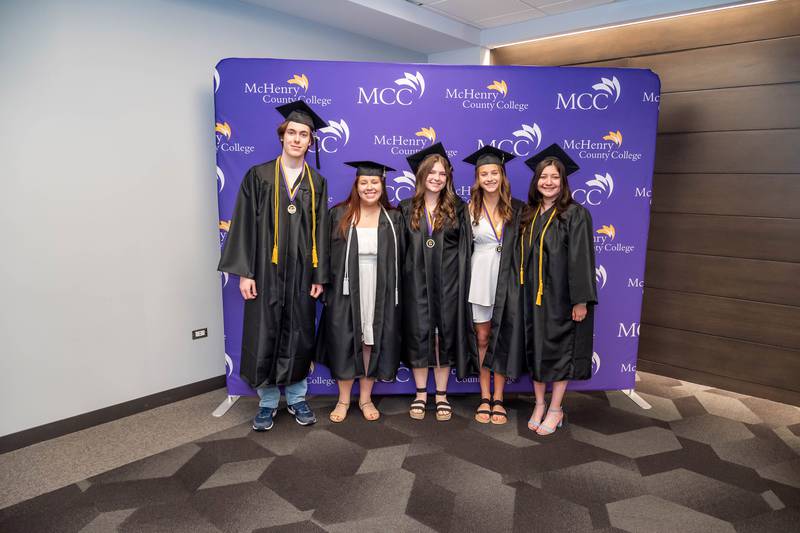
(701,460)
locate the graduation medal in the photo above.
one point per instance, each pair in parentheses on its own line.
(498,236)
(430,243)
(291,208)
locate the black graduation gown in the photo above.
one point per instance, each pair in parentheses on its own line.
(278,336)
(433,291)
(506,351)
(558,348)
(339,340)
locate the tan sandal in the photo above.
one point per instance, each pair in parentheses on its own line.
(369,414)
(417,410)
(444,411)
(339,416)
(503,416)
(484,415)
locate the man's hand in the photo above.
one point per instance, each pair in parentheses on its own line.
(316,290)
(247,287)
(578,312)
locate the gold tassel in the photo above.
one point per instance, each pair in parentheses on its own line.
(541,257)
(314,256)
(275,213)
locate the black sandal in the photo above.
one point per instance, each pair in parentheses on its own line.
(484,411)
(444,411)
(417,410)
(495,413)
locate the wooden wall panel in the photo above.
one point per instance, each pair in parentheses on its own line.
(622,62)
(731,152)
(745,279)
(776,239)
(722,294)
(733,65)
(759,322)
(750,23)
(731,358)
(715,380)
(725,194)
(761,107)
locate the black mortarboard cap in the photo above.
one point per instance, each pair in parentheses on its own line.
(489,155)
(416,159)
(299,111)
(553,150)
(369,168)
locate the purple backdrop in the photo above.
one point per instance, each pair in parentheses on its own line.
(605,118)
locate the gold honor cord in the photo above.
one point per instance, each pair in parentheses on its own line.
(431,220)
(540,289)
(306,170)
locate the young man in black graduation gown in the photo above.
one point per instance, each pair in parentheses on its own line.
(277,244)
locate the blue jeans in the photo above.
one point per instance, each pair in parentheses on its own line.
(271,395)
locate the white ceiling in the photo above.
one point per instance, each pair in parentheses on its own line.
(430,26)
(490,14)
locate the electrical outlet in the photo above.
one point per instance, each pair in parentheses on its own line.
(199,334)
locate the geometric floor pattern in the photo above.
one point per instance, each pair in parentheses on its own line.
(701,460)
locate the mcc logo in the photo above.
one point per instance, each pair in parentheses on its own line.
(410,86)
(606,93)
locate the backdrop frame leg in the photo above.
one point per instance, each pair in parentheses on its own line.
(635,398)
(226,404)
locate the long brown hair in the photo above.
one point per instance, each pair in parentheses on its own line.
(352,209)
(476,198)
(535,197)
(445,204)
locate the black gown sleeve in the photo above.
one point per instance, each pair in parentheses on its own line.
(326,243)
(321,274)
(580,266)
(239,253)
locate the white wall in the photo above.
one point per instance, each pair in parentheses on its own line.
(109,192)
(472,55)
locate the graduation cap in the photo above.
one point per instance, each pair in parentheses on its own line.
(554,150)
(369,168)
(489,155)
(416,159)
(300,112)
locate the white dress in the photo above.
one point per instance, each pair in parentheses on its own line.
(485,268)
(367,279)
